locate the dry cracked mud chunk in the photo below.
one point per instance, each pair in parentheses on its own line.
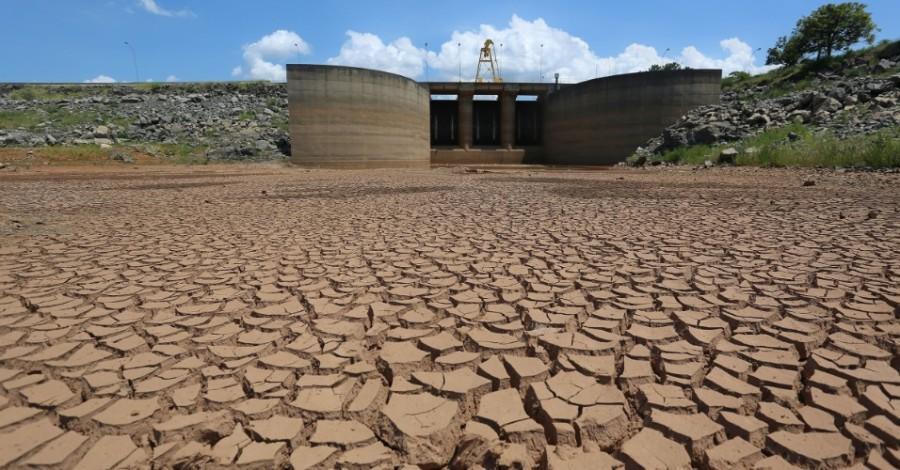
(604,425)
(24,438)
(266,453)
(779,418)
(304,457)
(14,414)
(58,450)
(572,458)
(505,412)
(226,450)
(649,449)
(664,397)
(112,452)
(814,449)
(400,359)
(485,341)
(373,455)
(342,433)
(277,428)
(127,411)
(749,428)
(423,426)
(732,454)
(461,384)
(48,394)
(524,370)
(696,431)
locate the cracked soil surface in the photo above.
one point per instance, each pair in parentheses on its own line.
(262,317)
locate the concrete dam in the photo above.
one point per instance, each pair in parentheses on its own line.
(347,117)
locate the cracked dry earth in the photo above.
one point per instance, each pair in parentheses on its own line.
(261,317)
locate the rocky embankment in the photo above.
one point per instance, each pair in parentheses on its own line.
(855,99)
(221,121)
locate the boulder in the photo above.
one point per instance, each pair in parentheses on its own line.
(674,138)
(883,65)
(705,135)
(727,156)
(101,132)
(759,119)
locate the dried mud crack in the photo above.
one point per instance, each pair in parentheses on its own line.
(731,318)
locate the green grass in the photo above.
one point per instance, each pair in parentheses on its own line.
(26,119)
(246,116)
(281,123)
(166,153)
(31,119)
(75,153)
(54,92)
(183,153)
(772,148)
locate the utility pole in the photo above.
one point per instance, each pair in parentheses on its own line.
(459,58)
(541,64)
(137,75)
(426,61)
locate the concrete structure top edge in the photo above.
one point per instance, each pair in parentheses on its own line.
(310,67)
(490,88)
(662,74)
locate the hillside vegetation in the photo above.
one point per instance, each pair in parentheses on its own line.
(840,111)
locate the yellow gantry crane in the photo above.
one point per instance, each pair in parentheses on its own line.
(488,57)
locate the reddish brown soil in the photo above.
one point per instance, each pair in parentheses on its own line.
(263,316)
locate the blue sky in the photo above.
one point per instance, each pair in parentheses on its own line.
(198,40)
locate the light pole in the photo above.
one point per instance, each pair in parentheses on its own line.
(666,54)
(426,61)
(498,61)
(137,75)
(459,59)
(541,64)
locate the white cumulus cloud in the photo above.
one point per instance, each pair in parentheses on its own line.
(368,50)
(171,78)
(264,58)
(740,57)
(101,79)
(152,7)
(522,57)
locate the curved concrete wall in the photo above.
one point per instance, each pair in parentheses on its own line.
(602,121)
(356,118)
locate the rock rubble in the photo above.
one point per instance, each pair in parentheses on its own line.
(229,121)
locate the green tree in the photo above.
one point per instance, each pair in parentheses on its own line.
(832,27)
(669,66)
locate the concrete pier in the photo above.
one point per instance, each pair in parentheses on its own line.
(464,99)
(507,119)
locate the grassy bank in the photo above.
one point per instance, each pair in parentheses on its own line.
(56,92)
(784,80)
(797,146)
(180,154)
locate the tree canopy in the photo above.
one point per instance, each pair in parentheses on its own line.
(669,66)
(832,27)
